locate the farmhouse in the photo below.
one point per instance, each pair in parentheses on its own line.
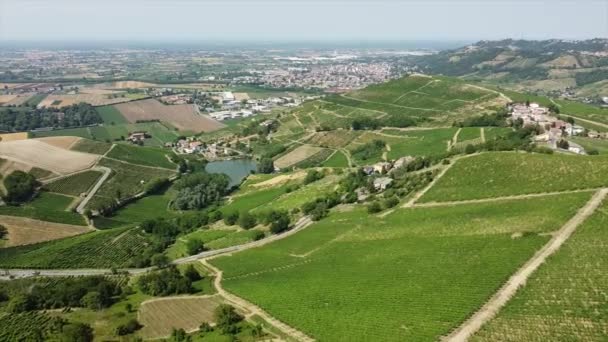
(403,161)
(382,183)
(382,167)
(136,137)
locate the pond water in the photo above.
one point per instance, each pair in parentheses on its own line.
(236,169)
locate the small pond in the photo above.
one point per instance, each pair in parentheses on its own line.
(236,169)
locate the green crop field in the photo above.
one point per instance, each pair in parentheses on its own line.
(338,159)
(24,326)
(253,199)
(565,299)
(304,194)
(76,184)
(91,146)
(149,207)
(46,207)
(178,249)
(508,173)
(111,115)
(469,133)
(161,133)
(413,275)
(146,156)
(600,145)
(128,179)
(100,249)
(495,132)
(237,238)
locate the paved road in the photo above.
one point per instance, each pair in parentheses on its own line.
(301,224)
(517,280)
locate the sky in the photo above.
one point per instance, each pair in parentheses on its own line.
(294,20)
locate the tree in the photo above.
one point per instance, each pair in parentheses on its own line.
(230,219)
(159,260)
(20,303)
(205,327)
(76,332)
(246,220)
(279,222)
(226,317)
(374,207)
(191,273)
(194,246)
(3,232)
(179,335)
(469,149)
(20,186)
(312,176)
(266,165)
(92,300)
(128,328)
(563,144)
(391,202)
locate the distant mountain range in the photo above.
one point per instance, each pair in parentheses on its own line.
(553,67)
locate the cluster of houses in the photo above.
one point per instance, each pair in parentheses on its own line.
(239,105)
(554,128)
(176,99)
(382,169)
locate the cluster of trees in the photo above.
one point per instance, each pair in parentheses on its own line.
(313,176)
(319,207)
(199,190)
(266,165)
(388,121)
(76,115)
(94,293)
(499,119)
(368,150)
(20,187)
(278,220)
(168,281)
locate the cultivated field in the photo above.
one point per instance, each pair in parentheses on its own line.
(147,156)
(99,249)
(412,275)
(45,156)
(58,101)
(127,179)
(160,316)
(46,207)
(14,100)
(25,231)
(299,154)
(76,184)
(509,173)
(91,146)
(565,300)
(65,143)
(13,136)
(183,117)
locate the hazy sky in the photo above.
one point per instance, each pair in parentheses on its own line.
(300,20)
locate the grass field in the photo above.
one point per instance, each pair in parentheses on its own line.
(178,249)
(146,156)
(412,275)
(253,199)
(126,179)
(592,144)
(91,146)
(469,133)
(565,299)
(111,115)
(74,185)
(148,207)
(495,132)
(46,207)
(100,249)
(338,159)
(507,173)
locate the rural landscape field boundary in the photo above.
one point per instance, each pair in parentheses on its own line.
(517,280)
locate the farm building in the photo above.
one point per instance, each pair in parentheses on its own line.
(382,183)
(136,137)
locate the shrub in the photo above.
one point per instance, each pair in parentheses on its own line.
(20,186)
(247,221)
(230,219)
(194,246)
(374,207)
(128,328)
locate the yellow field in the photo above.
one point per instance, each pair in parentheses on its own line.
(25,231)
(296,156)
(160,316)
(58,101)
(13,136)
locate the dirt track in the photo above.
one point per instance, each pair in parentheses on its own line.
(517,280)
